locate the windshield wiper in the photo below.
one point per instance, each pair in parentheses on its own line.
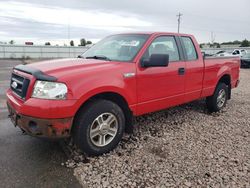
(80,56)
(98,57)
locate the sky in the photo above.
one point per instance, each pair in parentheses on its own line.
(59,21)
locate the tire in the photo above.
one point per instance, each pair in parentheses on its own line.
(94,126)
(214,104)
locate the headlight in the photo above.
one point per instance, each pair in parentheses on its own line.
(49,90)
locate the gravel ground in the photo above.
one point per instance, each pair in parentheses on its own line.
(184,146)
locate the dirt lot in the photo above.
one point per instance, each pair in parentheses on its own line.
(181,147)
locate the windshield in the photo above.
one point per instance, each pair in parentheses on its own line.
(122,47)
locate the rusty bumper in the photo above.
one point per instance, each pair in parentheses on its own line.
(46,128)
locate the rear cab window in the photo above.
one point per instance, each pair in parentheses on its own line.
(189,49)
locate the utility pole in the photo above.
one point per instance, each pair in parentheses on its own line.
(68,29)
(179,21)
(212,37)
(69,34)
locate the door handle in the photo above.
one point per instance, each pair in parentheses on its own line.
(181,71)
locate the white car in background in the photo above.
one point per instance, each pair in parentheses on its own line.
(222,53)
(236,52)
(240,52)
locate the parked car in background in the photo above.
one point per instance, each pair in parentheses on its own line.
(92,99)
(245,61)
(222,53)
(239,52)
(236,52)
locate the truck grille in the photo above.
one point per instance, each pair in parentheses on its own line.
(19,85)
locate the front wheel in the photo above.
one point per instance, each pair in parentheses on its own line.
(99,127)
(219,99)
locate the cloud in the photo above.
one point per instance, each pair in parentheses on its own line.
(93,19)
(56,15)
(26,30)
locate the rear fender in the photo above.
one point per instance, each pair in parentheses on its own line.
(224,70)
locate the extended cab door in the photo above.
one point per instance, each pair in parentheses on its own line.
(194,68)
(161,87)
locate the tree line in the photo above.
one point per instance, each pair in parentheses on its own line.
(244,43)
(83,42)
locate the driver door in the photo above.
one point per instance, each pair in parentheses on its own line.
(161,87)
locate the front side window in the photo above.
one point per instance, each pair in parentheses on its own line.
(163,45)
(189,48)
(122,47)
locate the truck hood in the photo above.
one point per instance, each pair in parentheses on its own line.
(64,66)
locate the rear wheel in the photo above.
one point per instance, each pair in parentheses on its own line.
(219,99)
(99,127)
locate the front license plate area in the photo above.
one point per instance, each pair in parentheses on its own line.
(12,115)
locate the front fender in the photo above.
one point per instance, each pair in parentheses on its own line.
(105,89)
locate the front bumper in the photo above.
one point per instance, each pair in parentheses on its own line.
(46,128)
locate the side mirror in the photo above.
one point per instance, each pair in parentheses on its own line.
(156,60)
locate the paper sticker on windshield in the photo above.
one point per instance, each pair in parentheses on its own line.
(130,43)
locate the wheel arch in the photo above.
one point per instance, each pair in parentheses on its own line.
(115,97)
(226,79)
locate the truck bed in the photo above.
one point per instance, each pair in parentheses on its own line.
(214,66)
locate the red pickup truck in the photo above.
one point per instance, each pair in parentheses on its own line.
(93,98)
